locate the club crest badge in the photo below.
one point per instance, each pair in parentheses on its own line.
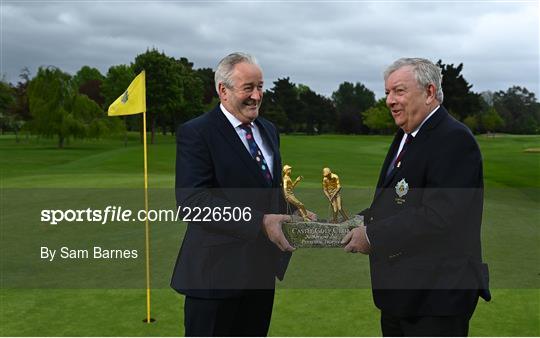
(402,188)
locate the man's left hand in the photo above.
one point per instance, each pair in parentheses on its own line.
(356,241)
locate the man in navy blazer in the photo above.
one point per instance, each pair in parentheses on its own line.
(423,226)
(228,163)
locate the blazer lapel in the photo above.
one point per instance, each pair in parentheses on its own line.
(231,136)
(387,161)
(421,137)
(276,170)
(390,156)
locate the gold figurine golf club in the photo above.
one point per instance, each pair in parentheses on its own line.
(332,191)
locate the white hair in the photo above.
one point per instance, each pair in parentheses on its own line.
(225,68)
(425,72)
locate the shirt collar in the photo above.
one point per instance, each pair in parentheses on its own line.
(421,124)
(232,119)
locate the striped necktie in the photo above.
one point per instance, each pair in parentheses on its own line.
(256,153)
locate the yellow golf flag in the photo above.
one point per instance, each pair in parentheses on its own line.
(133,101)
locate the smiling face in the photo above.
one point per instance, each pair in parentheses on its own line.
(244,99)
(408,102)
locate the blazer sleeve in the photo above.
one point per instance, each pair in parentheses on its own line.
(451,200)
(196,187)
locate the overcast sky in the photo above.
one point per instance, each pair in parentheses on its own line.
(317,43)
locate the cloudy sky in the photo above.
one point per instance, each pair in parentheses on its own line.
(317,43)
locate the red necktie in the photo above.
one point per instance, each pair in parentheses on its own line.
(397,161)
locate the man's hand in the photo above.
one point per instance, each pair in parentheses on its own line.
(272,229)
(356,241)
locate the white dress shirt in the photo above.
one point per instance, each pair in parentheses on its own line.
(264,146)
(413,133)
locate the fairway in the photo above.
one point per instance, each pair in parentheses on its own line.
(325,293)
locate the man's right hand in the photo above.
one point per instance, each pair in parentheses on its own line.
(272,229)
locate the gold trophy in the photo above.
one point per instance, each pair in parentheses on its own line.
(305,233)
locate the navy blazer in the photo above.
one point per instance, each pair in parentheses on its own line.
(220,259)
(426,254)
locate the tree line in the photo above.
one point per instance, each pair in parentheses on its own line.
(56,104)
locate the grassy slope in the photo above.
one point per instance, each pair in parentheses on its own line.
(510,234)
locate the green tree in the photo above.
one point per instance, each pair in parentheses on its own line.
(193,90)
(350,101)
(18,113)
(7,99)
(319,111)
(285,94)
(458,97)
(472,122)
(88,81)
(210,95)
(58,110)
(274,113)
(491,121)
(173,91)
(379,119)
(87,73)
(519,109)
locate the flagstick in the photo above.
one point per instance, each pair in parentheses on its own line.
(148,319)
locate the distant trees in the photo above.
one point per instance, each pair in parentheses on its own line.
(319,111)
(7,98)
(350,101)
(16,111)
(519,109)
(209,96)
(54,103)
(490,120)
(379,119)
(458,97)
(297,108)
(88,81)
(285,94)
(173,91)
(59,110)
(513,111)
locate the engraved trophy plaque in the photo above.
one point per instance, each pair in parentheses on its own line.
(302,232)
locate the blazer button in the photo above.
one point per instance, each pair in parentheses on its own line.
(371,218)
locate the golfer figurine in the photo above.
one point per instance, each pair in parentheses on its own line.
(332,191)
(288,187)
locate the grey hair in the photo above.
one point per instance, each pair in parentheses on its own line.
(225,68)
(425,72)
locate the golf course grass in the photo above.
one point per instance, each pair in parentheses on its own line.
(326,292)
